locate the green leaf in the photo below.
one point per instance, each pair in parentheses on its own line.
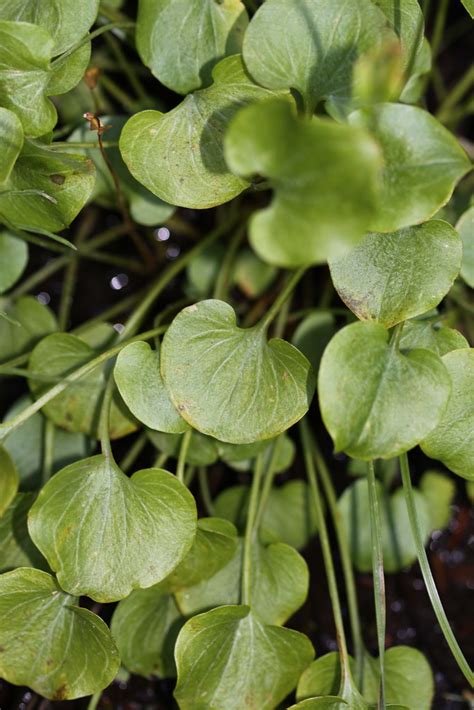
(138,378)
(65,20)
(16,547)
(202,449)
(252,275)
(179,155)
(409,680)
(406,18)
(13,259)
(203,270)
(255,664)
(398,547)
(77,408)
(377,402)
(30,321)
(230,383)
(25,445)
(288,516)
(423,162)
(389,278)
(469,5)
(214,546)
(68,70)
(25,54)
(439,491)
(105,534)
(431,335)
(181,43)
(9,480)
(452,440)
(322,677)
(46,189)
(145,626)
(279,573)
(78,656)
(313,334)
(242,457)
(312,45)
(330,702)
(465,227)
(11,141)
(324,175)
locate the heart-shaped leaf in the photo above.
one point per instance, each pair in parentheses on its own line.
(399,549)
(429,334)
(279,573)
(9,480)
(423,162)
(202,450)
(13,259)
(230,383)
(179,155)
(105,534)
(77,408)
(30,321)
(324,175)
(376,401)
(465,227)
(389,278)
(46,189)
(312,45)
(439,491)
(138,378)
(183,61)
(145,626)
(78,656)
(227,658)
(16,547)
(11,141)
(452,440)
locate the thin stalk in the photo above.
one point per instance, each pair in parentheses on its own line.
(134,451)
(94,701)
(48,456)
(282,319)
(45,272)
(268,481)
(70,277)
(117,93)
(84,145)
(104,418)
(205,491)
(183,452)
(224,278)
(438,29)
(88,38)
(378,575)
(282,297)
(250,533)
(119,307)
(125,67)
(461,88)
(427,575)
(160,460)
(189,475)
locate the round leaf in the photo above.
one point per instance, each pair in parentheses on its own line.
(30,321)
(376,401)
(431,335)
(179,155)
(324,175)
(13,259)
(465,227)
(138,378)
(78,656)
(183,60)
(423,162)
(105,534)
(230,383)
(439,491)
(322,677)
(9,480)
(389,278)
(312,46)
(11,141)
(409,680)
(452,440)
(16,547)
(255,664)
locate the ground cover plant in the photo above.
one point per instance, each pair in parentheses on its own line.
(236,318)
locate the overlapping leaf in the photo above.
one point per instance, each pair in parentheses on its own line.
(429,334)
(13,259)
(29,321)
(9,480)
(16,547)
(11,141)
(465,227)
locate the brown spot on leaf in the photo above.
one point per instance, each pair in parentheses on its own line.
(57,179)
(2,648)
(181,407)
(60,693)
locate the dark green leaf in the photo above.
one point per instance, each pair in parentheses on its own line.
(13,259)
(465,227)
(313,334)
(16,547)
(30,321)
(252,275)
(9,480)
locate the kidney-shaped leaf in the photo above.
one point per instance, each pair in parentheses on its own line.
(324,175)
(453,439)
(429,334)
(105,534)
(11,141)
(392,277)
(312,45)
(181,41)
(9,480)
(78,656)
(227,658)
(138,378)
(465,227)
(229,382)
(179,155)
(423,162)
(376,401)
(13,259)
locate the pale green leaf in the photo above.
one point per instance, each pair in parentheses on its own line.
(452,440)
(78,656)
(389,278)
(465,227)
(9,480)
(105,534)
(377,402)
(30,321)
(230,382)
(68,70)
(138,378)
(11,141)
(423,162)
(179,155)
(256,665)
(322,677)
(409,679)
(439,491)
(145,626)
(16,547)
(181,42)
(330,702)
(469,5)
(13,259)
(242,457)
(431,335)
(202,449)
(324,175)
(406,18)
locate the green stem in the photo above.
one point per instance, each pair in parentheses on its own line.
(456,94)
(84,145)
(134,451)
(88,38)
(94,701)
(104,419)
(268,481)
(427,575)
(282,319)
(438,29)
(183,452)
(224,278)
(117,92)
(48,457)
(126,69)
(205,491)
(378,575)
(160,460)
(282,297)
(189,475)
(246,593)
